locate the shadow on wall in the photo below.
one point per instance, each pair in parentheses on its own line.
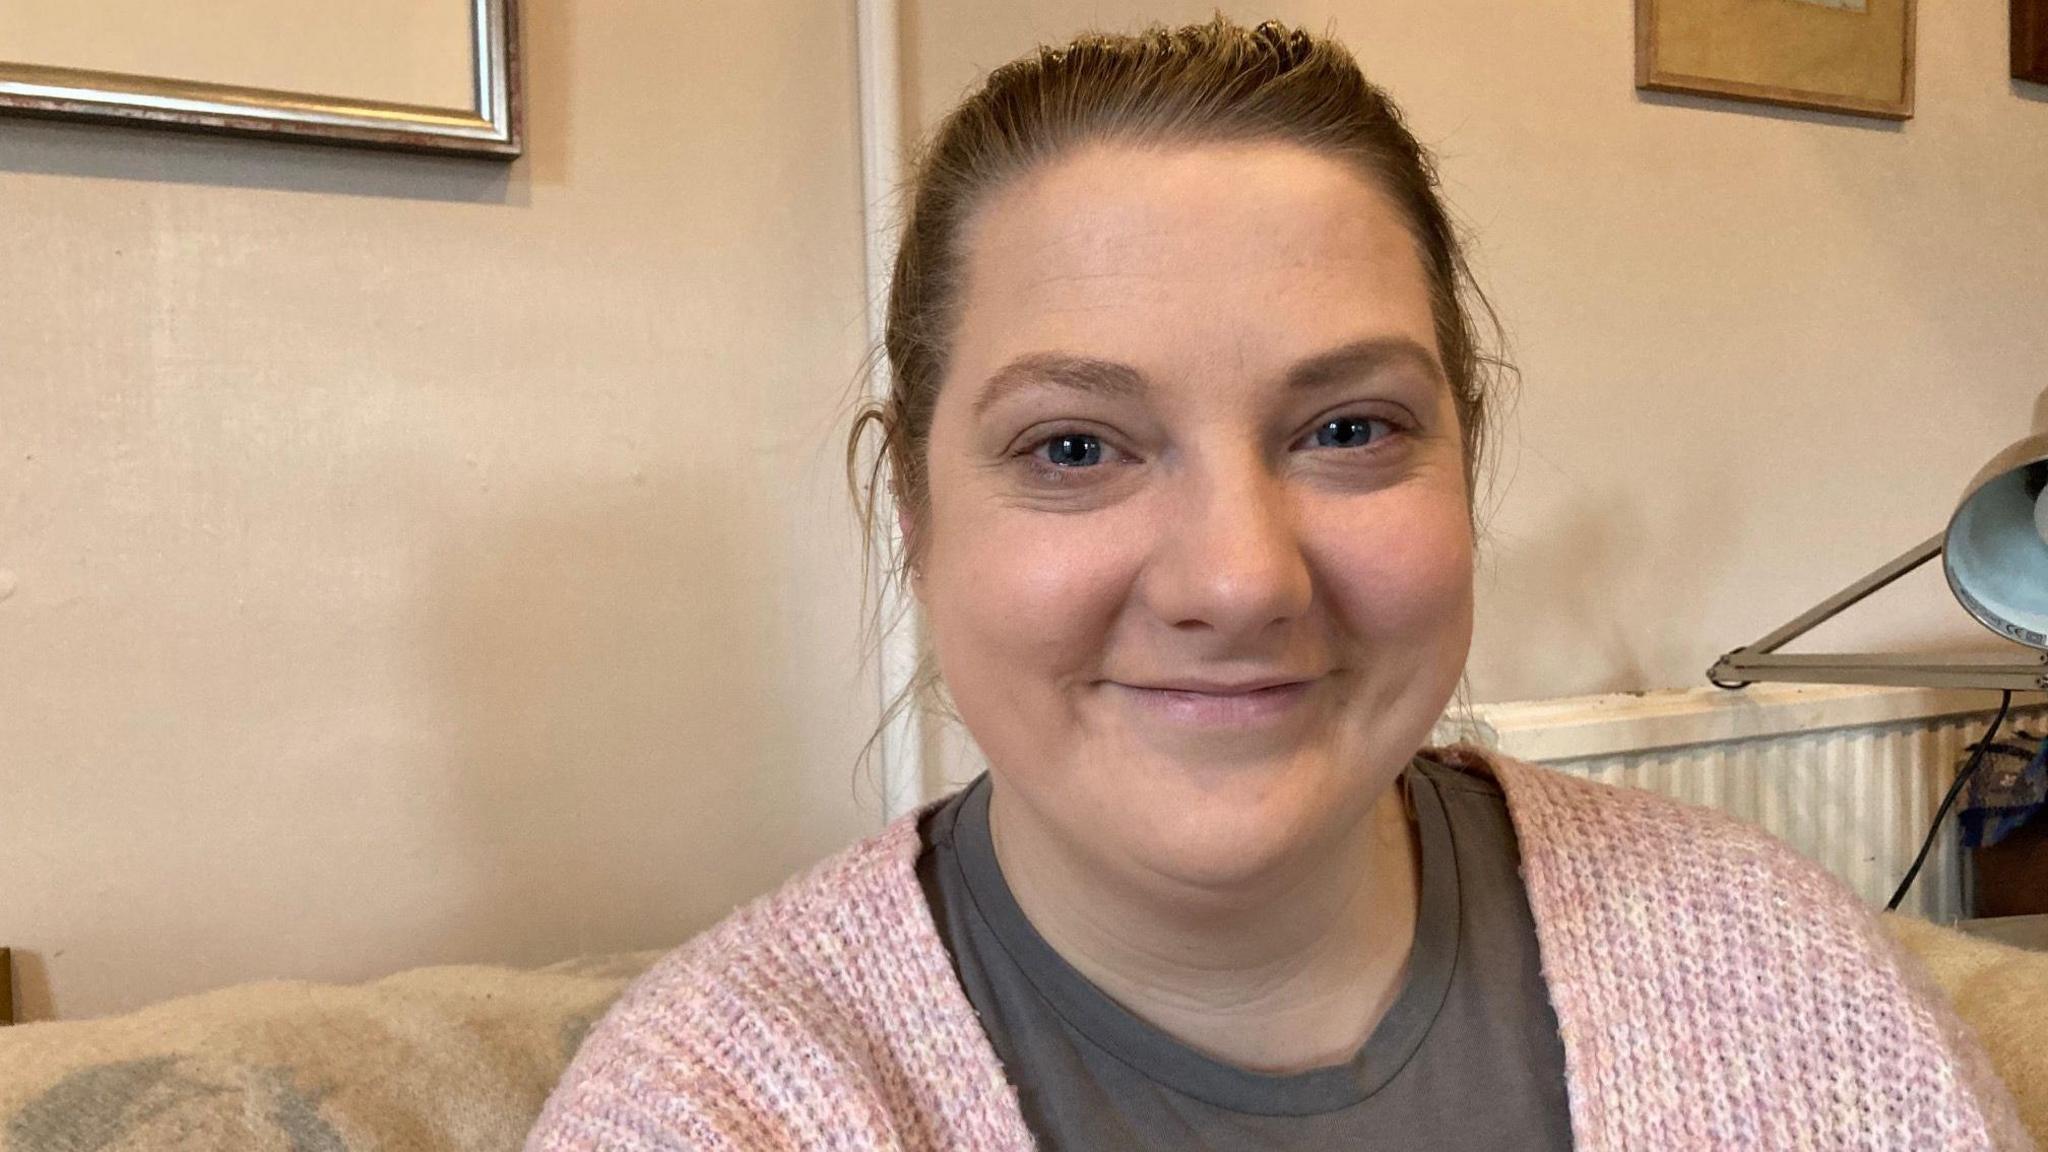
(165,156)
(621,765)
(1706,103)
(1602,554)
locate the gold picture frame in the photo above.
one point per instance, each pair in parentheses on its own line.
(1852,56)
(363,84)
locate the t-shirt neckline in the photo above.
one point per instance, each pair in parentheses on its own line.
(1174,1065)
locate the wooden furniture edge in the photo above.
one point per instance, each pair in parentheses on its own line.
(2030,41)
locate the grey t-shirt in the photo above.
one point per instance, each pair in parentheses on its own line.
(1468,1056)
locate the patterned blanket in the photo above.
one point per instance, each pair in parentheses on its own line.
(459,1059)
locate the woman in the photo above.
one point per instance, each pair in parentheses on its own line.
(1187,408)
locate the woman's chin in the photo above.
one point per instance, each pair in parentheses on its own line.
(1230,834)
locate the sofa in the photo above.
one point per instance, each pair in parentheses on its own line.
(461,1058)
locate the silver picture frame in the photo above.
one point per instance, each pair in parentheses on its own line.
(489,127)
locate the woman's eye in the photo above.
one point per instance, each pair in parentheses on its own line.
(1351,432)
(1073,450)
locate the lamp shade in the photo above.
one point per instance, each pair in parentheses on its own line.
(1995,553)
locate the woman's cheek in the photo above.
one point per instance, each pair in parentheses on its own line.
(1050,585)
(1440,596)
(1024,597)
(1412,573)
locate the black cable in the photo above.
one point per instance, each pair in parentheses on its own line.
(1954,790)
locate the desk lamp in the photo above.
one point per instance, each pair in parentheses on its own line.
(1995,555)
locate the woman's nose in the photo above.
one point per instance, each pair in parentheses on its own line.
(1228,554)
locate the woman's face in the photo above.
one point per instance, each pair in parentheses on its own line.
(1198,564)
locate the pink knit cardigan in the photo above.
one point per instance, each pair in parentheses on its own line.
(1714,991)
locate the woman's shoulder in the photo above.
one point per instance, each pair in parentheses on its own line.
(1642,871)
(782,945)
(864,892)
(825,1010)
(1597,832)
(1676,940)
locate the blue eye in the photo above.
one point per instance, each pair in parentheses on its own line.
(1072,451)
(1350,432)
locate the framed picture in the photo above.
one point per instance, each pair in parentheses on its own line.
(421,75)
(2030,40)
(1851,56)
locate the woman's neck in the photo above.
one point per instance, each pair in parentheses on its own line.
(1290,976)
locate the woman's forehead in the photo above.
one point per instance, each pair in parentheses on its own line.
(1265,248)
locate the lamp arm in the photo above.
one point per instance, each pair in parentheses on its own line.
(1759,661)
(1834,605)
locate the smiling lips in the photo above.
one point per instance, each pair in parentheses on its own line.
(1212,704)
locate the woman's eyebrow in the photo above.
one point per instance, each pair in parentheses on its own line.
(1110,379)
(1348,362)
(1060,370)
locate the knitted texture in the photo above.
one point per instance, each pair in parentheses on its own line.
(1714,990)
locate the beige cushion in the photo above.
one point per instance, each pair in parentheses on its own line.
(456,1058)
(2002,994)
(461,1058)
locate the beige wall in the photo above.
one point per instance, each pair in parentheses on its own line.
(1762,350)
(423,561)
(418,560)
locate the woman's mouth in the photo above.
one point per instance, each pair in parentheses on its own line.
(1219,705)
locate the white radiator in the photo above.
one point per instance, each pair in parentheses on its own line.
(1848,776)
